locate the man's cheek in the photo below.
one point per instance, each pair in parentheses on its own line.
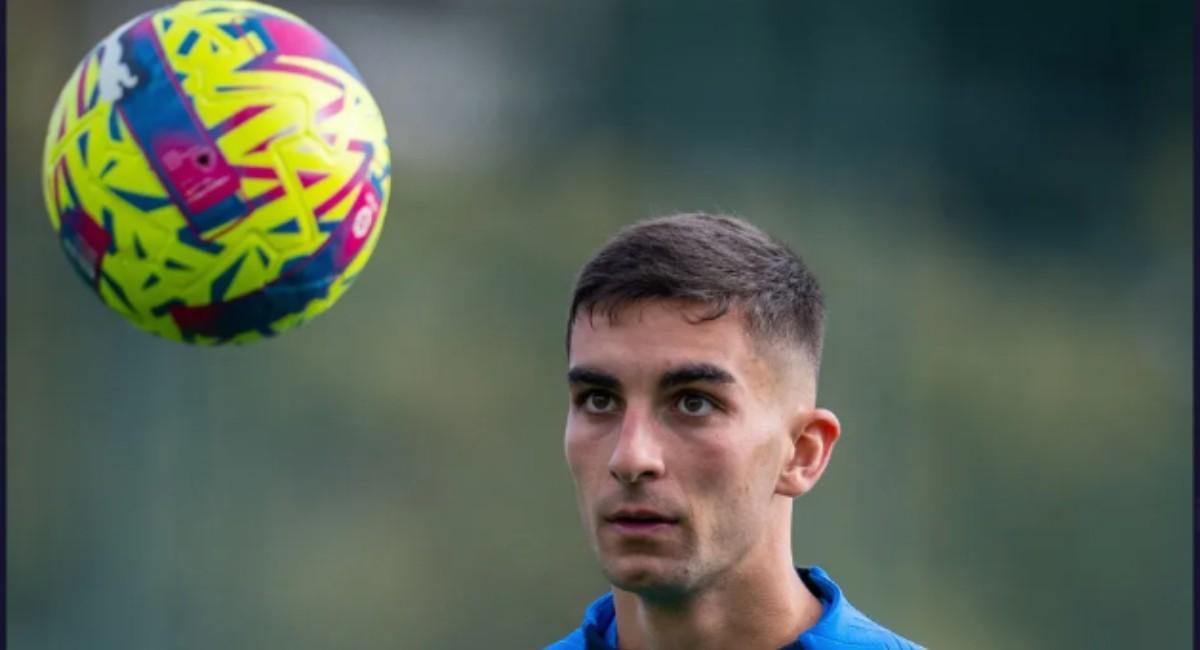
(576,453)
(708,467)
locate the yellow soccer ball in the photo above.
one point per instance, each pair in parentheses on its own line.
(217,171)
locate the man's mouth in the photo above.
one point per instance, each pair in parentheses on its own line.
(640,521)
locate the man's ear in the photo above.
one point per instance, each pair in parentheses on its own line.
(812,439)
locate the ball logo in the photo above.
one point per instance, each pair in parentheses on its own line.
(363,220)
(200,156)
(115,75)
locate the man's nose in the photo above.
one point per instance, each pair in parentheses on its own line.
(638,455)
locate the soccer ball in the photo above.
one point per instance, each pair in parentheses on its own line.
(217,171)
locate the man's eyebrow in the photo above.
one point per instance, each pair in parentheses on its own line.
(695,372)
(591,376)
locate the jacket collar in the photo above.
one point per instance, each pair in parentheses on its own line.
(600,621)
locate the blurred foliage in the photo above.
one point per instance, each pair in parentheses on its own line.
(996,199)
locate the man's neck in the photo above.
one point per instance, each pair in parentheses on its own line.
(751,607)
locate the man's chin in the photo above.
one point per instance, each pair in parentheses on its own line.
(646,576)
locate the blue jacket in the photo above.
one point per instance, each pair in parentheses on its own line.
(841,626)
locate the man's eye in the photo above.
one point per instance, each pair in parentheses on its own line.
(694,405)
(596,402)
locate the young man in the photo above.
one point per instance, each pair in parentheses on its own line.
(693,347)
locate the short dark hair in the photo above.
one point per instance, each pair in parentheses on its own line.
(714,260)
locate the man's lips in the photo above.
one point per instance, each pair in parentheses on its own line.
(639,521)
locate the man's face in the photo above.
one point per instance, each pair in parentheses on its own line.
(676,435)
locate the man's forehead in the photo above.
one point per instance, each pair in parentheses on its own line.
(683,325)
(657,336)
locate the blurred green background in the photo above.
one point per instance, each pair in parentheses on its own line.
(995,196)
